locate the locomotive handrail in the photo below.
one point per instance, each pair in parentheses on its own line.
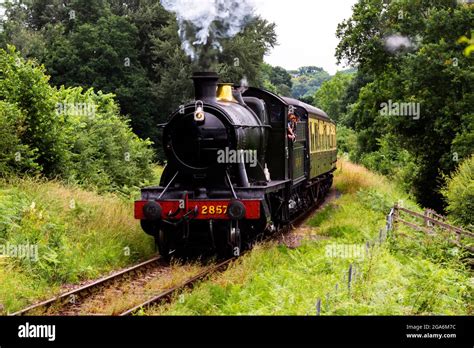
(251,126)
(230,184)
(166,188)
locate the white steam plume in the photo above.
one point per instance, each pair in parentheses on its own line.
(203,22)
(244,84)
(394,43)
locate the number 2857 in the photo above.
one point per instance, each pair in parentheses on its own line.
(213,209)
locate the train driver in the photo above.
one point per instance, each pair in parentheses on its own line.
(292,120)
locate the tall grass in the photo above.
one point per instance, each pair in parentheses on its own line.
(396,275)
(79,235)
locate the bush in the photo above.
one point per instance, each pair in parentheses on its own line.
(459,194)
(105,153)
(67,133)
(346,141)
(25,85)
(78,235)
(393,161)
(14,156)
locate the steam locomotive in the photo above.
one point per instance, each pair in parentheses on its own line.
(233,174)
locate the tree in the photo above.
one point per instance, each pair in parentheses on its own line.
(130,48)
(276,79)
(242,55)
(428,69)
(330,96)
(25,85)
(308,80)
(459,193)
(68,133)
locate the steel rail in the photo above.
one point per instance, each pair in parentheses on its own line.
(88,287)
(166,296)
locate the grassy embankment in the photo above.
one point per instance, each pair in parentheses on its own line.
(411,274)
(78,234)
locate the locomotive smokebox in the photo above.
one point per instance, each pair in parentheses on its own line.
(205,86)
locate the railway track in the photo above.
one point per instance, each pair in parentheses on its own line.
(79,294)
(75,295)
(166,296)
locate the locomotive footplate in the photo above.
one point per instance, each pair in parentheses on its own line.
(176,205)
(204,209)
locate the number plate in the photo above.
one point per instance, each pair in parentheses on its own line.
(213,210)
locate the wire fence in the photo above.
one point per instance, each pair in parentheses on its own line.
(353,274)
(432,222)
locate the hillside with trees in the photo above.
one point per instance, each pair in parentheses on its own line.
(307,80)
(407,53)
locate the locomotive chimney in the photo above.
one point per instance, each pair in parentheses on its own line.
(205,86)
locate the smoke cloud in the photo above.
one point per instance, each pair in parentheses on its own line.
(203,23)
(396,43)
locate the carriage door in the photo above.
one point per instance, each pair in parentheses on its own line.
(299,161)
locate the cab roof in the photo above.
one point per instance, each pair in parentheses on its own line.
(309,108)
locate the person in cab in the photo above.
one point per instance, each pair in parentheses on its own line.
(292,121)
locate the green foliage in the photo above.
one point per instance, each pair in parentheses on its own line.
(433,72)
(329,97)
(242,55)
(276,79)
(72,235)
(25,85)
(104,152)
(66,133)
(459,194)
(346,141)
(129,48)
(391,160)
(14,156)
(307,80)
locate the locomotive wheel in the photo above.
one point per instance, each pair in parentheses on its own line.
(162,240)
(228,239)
(150,227)
(234,239)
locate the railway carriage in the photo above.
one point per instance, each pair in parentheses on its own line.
(228,204)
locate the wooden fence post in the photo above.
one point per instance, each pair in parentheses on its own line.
(349,278)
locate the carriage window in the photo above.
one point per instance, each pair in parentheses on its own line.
(320,138)
(331,144)
(313,129)
(333,136)
(323,135)
(329,136)
(328,141)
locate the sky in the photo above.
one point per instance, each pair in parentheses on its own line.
(306,31)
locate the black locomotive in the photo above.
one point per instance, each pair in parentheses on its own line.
(234,173)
